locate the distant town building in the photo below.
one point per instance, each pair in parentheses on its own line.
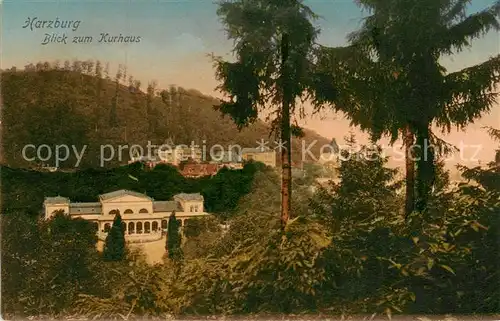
(199,170)
(173,155)
(143,218)
(231,165)
(227,156)
(266,156)
(180,153)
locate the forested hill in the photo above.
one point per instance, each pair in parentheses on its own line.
(81,104)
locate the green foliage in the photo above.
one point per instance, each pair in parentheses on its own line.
(391,79)
(372,262)
(114,247)
(264,272)
(378,263)
(137,289)
(279,273)
(252,82)
(196,226)
(354,254)
(202,234)
(25,190)
(227,187)
(20,239)
(366,189)
(173,245)
(45,265)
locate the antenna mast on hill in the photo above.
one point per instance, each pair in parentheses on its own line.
(335,146)
(170,142)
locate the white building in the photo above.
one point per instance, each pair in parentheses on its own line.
(177,154)
(266,156)
(226,156)
(231,159)
(170,154)
(143,217)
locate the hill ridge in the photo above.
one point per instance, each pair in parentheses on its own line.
(80,105)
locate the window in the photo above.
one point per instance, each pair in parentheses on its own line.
(191,209)
(147,227)
(197,208)
(107,227)
(114,212)
(128,211)
(143,211)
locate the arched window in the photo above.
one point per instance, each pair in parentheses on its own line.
(131,228)
(114,212)
(107,227)
(139,227)
(128,211)
(124,226)
(143,211)
(147,227)
(95,225)
(164,224)
(191,209)
(155,226)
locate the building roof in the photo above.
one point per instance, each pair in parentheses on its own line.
(200,169)
(122,192)
(85,208)
(190,197)
(56,200)
(166,206)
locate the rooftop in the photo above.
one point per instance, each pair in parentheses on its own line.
(200,169)
(122,192)
(190,197)
(56,200)
(85,208)
(166,206)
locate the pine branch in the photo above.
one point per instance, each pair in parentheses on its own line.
(474,26)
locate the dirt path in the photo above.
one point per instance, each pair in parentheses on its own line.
(153,250)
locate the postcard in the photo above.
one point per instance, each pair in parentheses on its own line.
(250,159)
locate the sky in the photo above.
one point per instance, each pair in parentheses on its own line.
(177,37)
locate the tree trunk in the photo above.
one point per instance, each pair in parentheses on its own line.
(286,176)
(425,168)
(410,171)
